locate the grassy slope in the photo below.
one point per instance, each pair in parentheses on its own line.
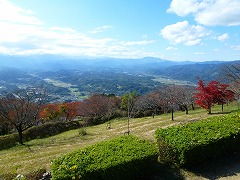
(38,153)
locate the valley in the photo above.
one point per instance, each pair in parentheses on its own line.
(73,80)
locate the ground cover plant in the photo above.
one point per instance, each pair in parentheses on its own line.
(38,153)
(125,155)
(197,142)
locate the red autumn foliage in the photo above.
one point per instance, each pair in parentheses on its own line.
(70,110)
(212,93)
(51,112)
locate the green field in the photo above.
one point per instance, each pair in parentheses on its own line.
(39,153)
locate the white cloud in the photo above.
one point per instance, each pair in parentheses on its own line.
(13,14)
(237,47)
(223,37)
(209,12)
(140,43)
(199,53)
(23,34)
(183,33)
(171,48)
(100,29)
(185,7)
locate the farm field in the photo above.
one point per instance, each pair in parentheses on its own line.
(38,154)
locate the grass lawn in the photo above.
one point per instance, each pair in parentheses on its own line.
(39,153)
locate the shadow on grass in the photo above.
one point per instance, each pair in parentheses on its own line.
(223,167)
(225,112)
(164,171)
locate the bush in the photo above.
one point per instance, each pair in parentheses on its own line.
(42,131)
(49,129)
(125,156)
(8,141)
(82,131)
(196,142)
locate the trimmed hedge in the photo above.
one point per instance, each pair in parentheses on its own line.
(203,140)
(126,157)
(49,129)
(7,141)
(42,131)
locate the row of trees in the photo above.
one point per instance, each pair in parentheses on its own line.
(23,109)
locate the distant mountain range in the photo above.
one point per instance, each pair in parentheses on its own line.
(75,77)
(53,63)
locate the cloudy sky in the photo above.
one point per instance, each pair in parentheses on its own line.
(195,30)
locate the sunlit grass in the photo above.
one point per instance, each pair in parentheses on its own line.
(39,153)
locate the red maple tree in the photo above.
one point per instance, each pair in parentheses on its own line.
(212,93)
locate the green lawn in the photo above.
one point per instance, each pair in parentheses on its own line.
(39,153)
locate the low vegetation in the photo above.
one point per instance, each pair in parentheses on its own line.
(197,142)
(125,155)
(42,131)
(39,153)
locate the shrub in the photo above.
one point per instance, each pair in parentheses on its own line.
(125,156)
(42,131)
(49,129)
(82,131)
(196,142)
(8,141)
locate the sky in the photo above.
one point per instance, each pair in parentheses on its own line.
(180,30)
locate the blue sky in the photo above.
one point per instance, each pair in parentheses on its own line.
(194,30)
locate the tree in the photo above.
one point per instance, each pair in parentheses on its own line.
(128,104)
(171,95)
(5,127)
(21,109)
(51,112)
(149,103)
(232,72)
(204,97)
(99,107)
(185,97)
(70,110)
(212,93)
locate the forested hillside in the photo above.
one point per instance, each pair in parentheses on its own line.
(69,80)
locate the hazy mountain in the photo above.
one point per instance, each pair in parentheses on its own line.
(68,79)
(53,63)
(193,72)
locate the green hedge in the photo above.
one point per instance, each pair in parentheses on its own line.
(126,157)
(7,141)
(203,140)
(49,129)
(42,131)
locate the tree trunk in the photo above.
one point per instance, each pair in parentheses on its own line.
(222,107)
(20,136)
(209,111)
(186,109)
(172,115)
(193,107)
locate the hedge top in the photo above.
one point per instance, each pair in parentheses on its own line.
(201,132)
(102,156)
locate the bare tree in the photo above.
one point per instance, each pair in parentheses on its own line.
(232,72)
(151,102)
(184,97)
(99,106)
(21,109)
